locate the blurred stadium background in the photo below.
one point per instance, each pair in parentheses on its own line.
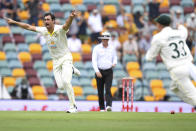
(23,54)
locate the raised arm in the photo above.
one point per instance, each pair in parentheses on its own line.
(68,22)
(183,30)
(154,50)
(21,24)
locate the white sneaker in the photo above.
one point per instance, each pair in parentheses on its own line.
(108,108)
(76,71)
(102,110)
(72,110)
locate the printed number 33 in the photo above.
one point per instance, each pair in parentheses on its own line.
(177,51)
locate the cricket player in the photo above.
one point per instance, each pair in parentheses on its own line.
(56,40)
(171,44)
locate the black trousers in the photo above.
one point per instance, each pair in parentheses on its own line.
(105,81)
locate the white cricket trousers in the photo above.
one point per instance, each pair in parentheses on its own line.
(62,68)
(182,85)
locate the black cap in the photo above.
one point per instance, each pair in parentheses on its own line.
(163,19)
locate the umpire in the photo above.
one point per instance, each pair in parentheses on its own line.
(104,59)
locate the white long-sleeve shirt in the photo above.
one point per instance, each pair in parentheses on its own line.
(171,44)
(103,58)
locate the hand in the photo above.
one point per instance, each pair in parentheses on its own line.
(98,74)
(9,21)
(74,13)
(113,65)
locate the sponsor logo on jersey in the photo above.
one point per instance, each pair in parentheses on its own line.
(52,45)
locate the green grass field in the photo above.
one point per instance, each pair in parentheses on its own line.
(96,121)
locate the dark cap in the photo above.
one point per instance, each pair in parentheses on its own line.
(163,19)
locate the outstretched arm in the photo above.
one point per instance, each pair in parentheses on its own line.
(21,24)
(68,22)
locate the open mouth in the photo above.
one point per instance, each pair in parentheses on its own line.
(47,24)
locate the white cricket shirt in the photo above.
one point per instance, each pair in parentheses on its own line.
(171,44)
(56,42)
(103,58)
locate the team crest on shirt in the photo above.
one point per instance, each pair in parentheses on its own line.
(52,45)
(52,40)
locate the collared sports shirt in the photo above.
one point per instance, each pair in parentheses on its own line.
(103,58)
(171,44)
(56,42)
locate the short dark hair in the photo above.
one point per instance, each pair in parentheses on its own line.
(50,14)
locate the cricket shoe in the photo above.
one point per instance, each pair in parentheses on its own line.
(108,108)
(102,110)
(76,71)
(72,110)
